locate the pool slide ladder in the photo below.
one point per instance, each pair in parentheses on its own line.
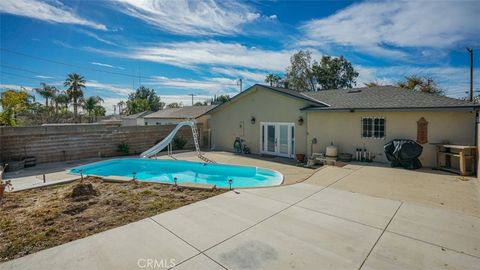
(168,141)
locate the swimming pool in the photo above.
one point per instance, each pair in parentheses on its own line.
(165,171)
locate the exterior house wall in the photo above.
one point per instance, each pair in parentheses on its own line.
(265,106)
(128,122)
(344,130)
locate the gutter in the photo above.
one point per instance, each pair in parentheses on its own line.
(390,109)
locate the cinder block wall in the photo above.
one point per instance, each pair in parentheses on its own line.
(71,142)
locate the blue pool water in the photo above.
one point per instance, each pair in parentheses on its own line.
(164,171)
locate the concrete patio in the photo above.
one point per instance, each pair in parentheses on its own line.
(355,217)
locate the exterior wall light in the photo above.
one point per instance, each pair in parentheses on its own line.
(252,120)
(300,120)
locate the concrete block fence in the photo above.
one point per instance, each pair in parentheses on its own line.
(72,142)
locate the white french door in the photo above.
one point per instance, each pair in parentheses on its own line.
(277,139)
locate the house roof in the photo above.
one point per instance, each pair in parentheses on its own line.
(185,112)
(296,94)
(287,92)
(137,115)
(383,97)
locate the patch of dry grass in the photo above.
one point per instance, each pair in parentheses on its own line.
(37,219)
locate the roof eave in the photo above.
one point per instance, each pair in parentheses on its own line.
(394,109)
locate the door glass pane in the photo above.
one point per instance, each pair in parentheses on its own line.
(263,137)
(283,139)
(292,151)
(270,138)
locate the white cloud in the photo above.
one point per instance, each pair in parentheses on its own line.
(44,77)
(46,12)
(15,87)
(212,53)
(454,80)
(210,85)
(387,28)
(272,17)
(184,99)
(191,17)
(105,65)
(116,89)
(96,37)
(258,76)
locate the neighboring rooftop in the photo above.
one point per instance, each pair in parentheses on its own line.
(137,115)
(185,112)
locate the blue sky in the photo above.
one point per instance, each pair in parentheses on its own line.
(203,47)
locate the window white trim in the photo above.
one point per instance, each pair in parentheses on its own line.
(373,118)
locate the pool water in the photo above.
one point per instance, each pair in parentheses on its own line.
(164,171)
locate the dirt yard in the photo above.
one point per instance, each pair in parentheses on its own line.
(40,218)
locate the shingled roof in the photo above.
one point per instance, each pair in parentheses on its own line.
(383,97)
(185,112)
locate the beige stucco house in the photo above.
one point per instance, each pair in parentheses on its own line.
(282,122)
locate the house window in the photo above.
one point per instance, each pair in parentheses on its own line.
(146,123)
(373,127)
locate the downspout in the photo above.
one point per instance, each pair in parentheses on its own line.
(307,134)
(477,164)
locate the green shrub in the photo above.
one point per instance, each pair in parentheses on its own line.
(179,143)
(123,148)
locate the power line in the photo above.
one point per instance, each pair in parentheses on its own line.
(89,68)
(21,76)
(71,65)
(26,70)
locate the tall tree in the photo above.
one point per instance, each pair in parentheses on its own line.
(75,84)
(143,99)
(61,100)
(306,74)
(421,84)
(220,99)
(174,105)
(334,73)
(13,102)
(199,103)
(90,104)
(273,80)
(121,106)
(372,84)
(46,91)
(299,74)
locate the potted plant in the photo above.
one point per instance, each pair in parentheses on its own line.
(4,184)
(300,158)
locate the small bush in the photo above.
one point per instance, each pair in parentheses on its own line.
(179,143)
(123,148)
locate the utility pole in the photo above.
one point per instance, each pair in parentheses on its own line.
(239,83)
(470,50)
(192,97)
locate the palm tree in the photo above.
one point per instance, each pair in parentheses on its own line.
(53,95)
(46,91)
(91,105)
(61,100)
(121,106)
(272,79)
(75,84)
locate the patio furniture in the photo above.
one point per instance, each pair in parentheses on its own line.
(464,153)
